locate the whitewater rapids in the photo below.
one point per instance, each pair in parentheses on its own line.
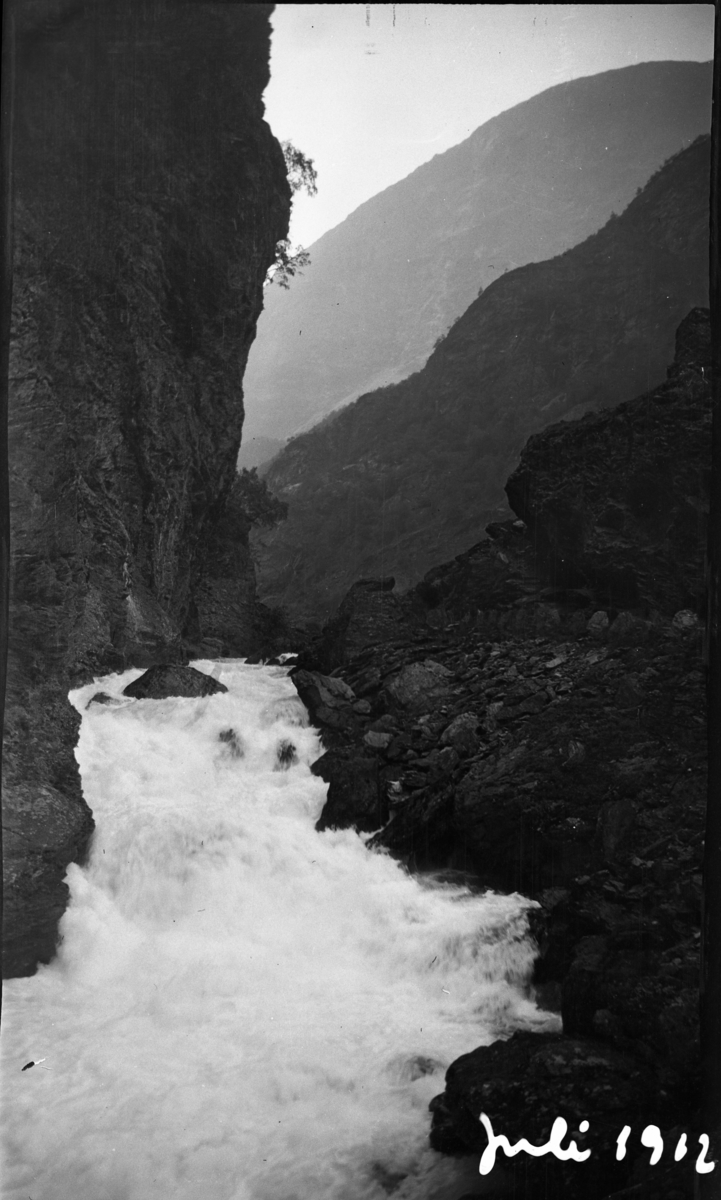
(242,1008)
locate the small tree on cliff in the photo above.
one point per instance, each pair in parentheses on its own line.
(302,176)
(252,502)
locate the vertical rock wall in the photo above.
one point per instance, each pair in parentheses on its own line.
(149,195)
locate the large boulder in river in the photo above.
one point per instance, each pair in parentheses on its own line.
(160,682)
(356,799)
(523,1085)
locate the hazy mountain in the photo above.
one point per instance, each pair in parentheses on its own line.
(255,451)
(409,475)
(390,279)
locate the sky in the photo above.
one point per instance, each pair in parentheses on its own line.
(371,91)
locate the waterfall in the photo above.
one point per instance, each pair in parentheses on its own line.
(243,1008)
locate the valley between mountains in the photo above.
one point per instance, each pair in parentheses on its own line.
(485,542)
(407,476)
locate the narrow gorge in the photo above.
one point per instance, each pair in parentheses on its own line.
(303,875)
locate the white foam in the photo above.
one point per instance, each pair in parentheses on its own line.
(239,1002)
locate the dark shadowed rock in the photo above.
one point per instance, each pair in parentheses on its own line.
(618,500)
(628,630)
(377,739)
(630,694)
(489,815)
(43,831)
(286,755)
(355,797)
(229,738)
(329,700)
(420,686)
(103,698)
(461,734)
(597,625)
(497,572)
(615,824)
(686,621)
(160,682)
(370,614)
(523,1085)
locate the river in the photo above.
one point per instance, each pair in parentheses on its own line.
(243,1008)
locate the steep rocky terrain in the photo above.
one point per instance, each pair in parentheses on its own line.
(619,500)
(149,195)
(520,722)
(407,475)
(385,284)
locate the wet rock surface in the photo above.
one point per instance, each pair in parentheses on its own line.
(43,830)
(355,792)
(161,682)
(523,1085)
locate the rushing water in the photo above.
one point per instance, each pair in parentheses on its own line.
(242,1007)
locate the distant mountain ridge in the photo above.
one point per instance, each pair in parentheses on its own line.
(527,185)
(255,452)
(409,475)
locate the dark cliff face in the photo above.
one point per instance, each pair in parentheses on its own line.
(613,507)
(618,501)
(407,475)
(149,194)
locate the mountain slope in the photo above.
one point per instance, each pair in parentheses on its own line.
(407,476)
(529,184)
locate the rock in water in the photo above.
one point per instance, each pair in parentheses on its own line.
(43,830)
(160,682)
(355,798)
(286,755)
(103,698)
(230,739)
(523,1084)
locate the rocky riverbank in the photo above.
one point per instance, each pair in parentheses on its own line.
(572,770)
(530,728)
